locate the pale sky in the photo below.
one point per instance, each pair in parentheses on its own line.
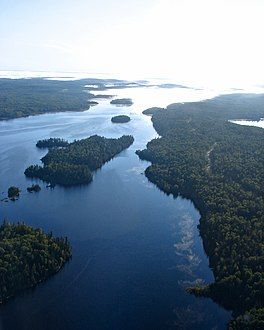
(199,40)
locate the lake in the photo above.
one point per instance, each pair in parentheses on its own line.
(135,249)
(256,123)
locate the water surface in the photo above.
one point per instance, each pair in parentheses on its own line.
(135,249)
(245,122)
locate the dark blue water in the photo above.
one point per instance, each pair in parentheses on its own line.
(135,249)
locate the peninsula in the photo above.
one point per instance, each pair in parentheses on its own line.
(219,165)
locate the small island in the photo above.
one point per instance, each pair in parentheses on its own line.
(13,192)
(28,256)
(152,111)
(51,143)
(120,119)
(73,164)
(122,102)
(34,187)
(92,103)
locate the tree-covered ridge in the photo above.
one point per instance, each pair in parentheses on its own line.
(73,164)
(28,256)
(233,106)
(220,166)
(26,97)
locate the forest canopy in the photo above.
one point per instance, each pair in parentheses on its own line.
(28,256)
(27,97)
(220,166)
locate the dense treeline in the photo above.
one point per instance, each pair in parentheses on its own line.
(254,319)
(27,257)
(51,143)
(220,166)
(73,164)
(60,173)
(25,97)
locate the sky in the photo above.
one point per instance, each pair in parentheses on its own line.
(215,41)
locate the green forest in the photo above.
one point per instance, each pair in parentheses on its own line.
(28,256)
(220,167)
(27,97)
(74,163)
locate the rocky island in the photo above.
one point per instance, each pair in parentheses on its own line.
(120,119)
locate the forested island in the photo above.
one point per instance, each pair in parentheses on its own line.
(74,163)
(28,256)
(122,102)
(220,166)
(120,119)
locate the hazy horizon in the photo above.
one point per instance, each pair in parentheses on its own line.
(214,42)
